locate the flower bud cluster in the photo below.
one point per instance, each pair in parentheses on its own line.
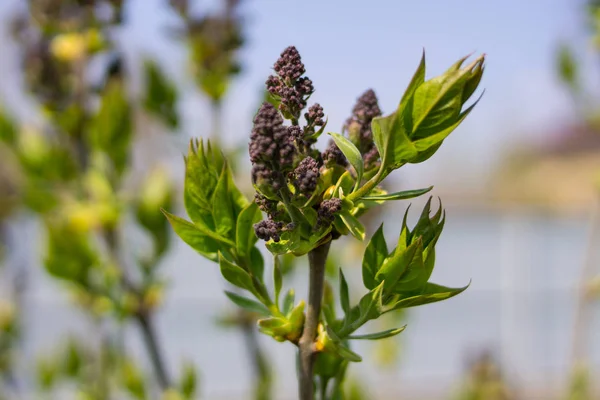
(288,85)
(358,127)
(285,166)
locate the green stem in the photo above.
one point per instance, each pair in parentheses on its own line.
(316,258)
(368,186)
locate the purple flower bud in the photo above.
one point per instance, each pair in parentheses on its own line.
(334,156)
(266,205)
(306,176)
(270,142)
(358,125)
(289,66)
(296,133)
(268,229)
(315,115)
(327,210)
(371,158)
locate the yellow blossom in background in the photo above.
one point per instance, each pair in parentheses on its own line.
(102,305)
(593,288)
(156,189)
(130,303)
(69,47)
(153,296)
(82,217)
(94,40)
(7,315)
(172,394)
(32,145)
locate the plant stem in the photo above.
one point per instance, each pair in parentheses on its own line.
(142,317)
(147,327)
(260,366)
(316,258)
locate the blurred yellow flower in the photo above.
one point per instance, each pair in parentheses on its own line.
(156,189)
(172,394)
(94,40)
(153,296)
(32,145)
(7,314)
(69,46)
(102,305)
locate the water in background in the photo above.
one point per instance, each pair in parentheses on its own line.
(524,268)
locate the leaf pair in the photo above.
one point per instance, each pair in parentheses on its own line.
(427,113)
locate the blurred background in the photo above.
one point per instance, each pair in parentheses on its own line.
(98,102)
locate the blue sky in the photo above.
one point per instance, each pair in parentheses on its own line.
(350,46)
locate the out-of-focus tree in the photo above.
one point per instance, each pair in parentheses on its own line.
(76,173)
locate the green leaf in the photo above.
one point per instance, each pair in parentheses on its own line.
(567,67)
(236,275)
(428,142)
(375,254)
(189,384)
(111,128)
(202,240)
(257,263)
(248,304)
(407,194)
(335,345)
(245,237)
(352,155)
(430,293)
(353,224)
(288,302)
(161,95)
(201,178)
(344,295)
(400,264)
(378,335)
(371,305)
(277,279)
(397,148)
(222,207)
(438,102)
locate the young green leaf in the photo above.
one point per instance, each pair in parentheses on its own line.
(244,231)
(335,345)
(352,155)
(375,253)
(398,264)
(189,384)
(353,224)
(257,263)
(407,194)
(430,293)
(371,304)
(236,275)
(378,335)
(248,304)
(201,240)
(201,179)
(344,296)
(222,207)
(288,302)
(277,279)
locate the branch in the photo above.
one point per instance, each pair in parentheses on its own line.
(316,258)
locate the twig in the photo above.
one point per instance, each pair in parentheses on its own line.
(316,258)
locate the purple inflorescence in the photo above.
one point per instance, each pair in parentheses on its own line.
(327,210)
(334,156)
(289,86)
(268,229)
(306,176)
(358,125)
